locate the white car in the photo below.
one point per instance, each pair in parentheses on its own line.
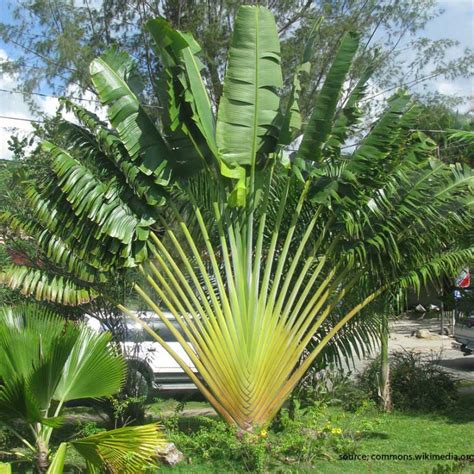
(150,364)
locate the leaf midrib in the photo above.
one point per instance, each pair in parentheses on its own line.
(255,117)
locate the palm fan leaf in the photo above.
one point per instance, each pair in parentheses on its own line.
(123,450)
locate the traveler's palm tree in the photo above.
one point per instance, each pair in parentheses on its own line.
(267,240)
(45,362)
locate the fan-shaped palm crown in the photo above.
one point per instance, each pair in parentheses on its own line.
(258,237)
(46,361)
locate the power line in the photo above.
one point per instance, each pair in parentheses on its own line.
(21,119)
(42,94)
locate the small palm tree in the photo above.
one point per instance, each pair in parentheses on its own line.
(266,238)
(45,362)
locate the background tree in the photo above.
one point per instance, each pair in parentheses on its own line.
(440,122)
(57,41)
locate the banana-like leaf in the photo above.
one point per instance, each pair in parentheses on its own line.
(179,52)
(350,114)
(248,109)
(320,123)
(136,130)
(292,121)
(124,450)
(291,125)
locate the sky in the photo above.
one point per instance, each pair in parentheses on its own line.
(457,22)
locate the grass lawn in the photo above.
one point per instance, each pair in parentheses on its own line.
(395,433)
(450,432)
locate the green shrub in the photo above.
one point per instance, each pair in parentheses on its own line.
(417,383)
(88,428)
(309,434)
(302,437)
(331,386)
(215,440)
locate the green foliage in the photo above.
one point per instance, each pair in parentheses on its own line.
(417,383)
(331,386)
(215,440)
(311,434)
(88,428)
(124,409)
(255,247)
(46,361)
(452,131)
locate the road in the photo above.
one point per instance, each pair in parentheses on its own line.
(462,367)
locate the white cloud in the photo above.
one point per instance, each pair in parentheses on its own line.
(448,88)
(13,105)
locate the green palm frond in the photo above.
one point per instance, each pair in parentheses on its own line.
(54,248)
(124,450)
(465,137)
(92,136)
(89,196)
(44,286)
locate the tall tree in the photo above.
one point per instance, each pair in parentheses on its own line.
(442,123)
(263,254)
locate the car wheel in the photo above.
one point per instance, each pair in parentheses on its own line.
(138,383)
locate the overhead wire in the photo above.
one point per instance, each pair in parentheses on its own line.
(42,94)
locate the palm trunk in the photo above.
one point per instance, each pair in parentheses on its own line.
(42,461)
(384,382)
